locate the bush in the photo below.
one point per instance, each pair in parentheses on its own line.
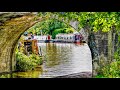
(5,76)
(111,70)
(27,63)
(36,59)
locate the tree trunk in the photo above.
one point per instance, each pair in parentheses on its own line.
(110,46)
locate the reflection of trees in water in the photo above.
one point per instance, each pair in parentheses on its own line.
(57,53)
(65,58)
(30,74)
(52,54)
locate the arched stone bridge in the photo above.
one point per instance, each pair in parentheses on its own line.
(14,24)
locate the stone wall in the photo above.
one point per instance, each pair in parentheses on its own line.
(106,44)
(101,39)
(11,28)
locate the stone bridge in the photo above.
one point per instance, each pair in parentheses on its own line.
(14,24)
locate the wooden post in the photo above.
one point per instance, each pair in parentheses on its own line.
(40,51)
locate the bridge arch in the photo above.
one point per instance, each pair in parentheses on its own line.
(11,30)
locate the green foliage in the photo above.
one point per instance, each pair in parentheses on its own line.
(69,30)
(47,26)
(56,31)
(99,76)
(25,63)
(36,59)
(112,70)
(61,30)
(97,20)
(51,27)
(5,76)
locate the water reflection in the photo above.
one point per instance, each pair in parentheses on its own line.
(59,59)
(30,74)
(62,59)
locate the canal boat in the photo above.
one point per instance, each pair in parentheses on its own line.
(70,38)
(43,38)
(30,46)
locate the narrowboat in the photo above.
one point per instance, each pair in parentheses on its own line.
(43,38)
(72,38)
(30,46)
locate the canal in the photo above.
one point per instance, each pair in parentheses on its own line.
(60,59)
(65,58)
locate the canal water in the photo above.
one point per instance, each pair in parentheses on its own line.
(65,58)
(60,59)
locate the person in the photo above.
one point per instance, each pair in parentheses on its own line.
(25,36)
(32,36)
(29,36)
(19,45)
(48,37)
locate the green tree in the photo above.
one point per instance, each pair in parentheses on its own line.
(51,27)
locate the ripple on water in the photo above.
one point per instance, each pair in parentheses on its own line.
(66,59)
